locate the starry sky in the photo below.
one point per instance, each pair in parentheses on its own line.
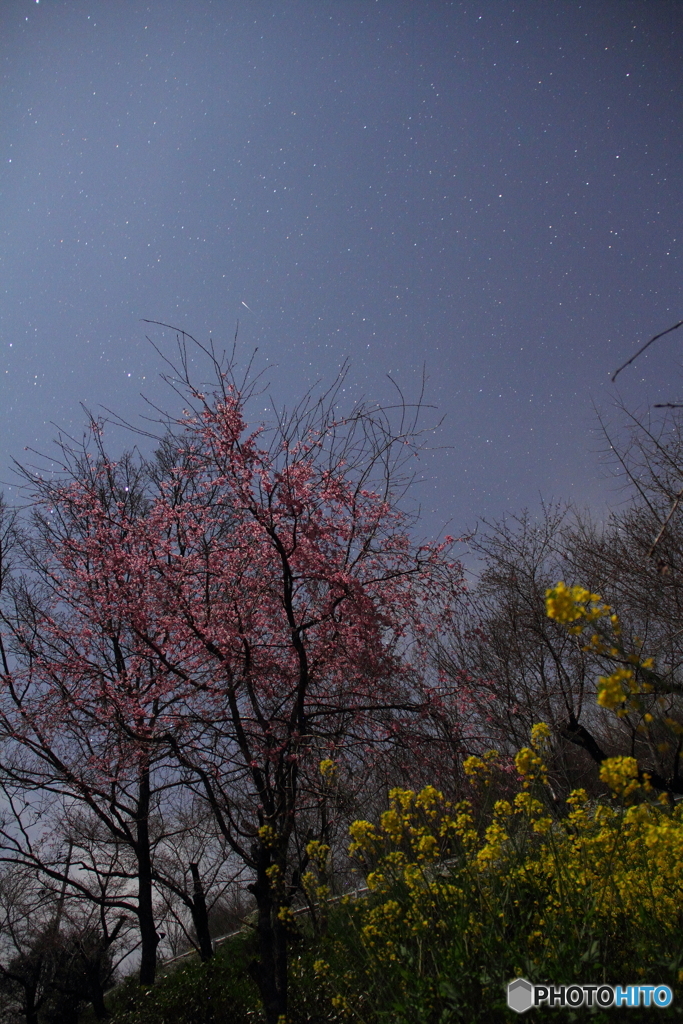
(490,190)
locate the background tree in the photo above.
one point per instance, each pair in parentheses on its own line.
(513,665)
(54,953)
(198,879)
(79,705)
(634,562)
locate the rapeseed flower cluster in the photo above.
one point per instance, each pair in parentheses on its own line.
(622,776)
(328,769)
(593,892)
(465,895)
(268,835)
(633,677)
(480,767)
(615,689)
(575,607)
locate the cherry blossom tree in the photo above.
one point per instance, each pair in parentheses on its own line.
(255,594)
(82,700)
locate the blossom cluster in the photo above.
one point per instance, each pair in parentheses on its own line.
(575,605)
(522,877)
(632,676)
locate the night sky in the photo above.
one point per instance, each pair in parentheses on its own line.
(491,189)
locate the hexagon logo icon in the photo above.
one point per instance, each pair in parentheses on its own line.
(520,995)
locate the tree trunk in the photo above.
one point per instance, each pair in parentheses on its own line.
(149,940)
(98,970)
(97,996)
(31,1004)
(270,971)
(200,917)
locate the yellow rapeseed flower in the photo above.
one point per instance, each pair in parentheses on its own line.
(268,835)
(569,605)
(540,734)
(614,689)
(364,836)
(318,852)
(327,768)
(621,775)
(530,766)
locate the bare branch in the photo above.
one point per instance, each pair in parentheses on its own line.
(642,349)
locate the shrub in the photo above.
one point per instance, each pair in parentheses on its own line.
(459,905)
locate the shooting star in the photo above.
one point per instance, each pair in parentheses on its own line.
(247,307)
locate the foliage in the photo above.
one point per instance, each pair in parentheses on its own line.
(463,896)
(646,698)
(460,905)
(194,992)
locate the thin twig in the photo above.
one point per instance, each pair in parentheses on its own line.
(646,345)
(659,536)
